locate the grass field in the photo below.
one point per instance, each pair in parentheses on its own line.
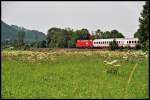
(67,73)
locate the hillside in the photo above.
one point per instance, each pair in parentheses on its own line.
(9,32)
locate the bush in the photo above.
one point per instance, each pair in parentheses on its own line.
(113,45)
(11,48)
(137,47)
(112,67)
(26,47)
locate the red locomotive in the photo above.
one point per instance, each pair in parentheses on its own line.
(84,43)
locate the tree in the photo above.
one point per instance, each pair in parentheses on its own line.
(43,44)
(20,38)
(143,32)
(106,35)
(85,34)
(58,38)
(98,34)
(51,38)
(73,36)
(116,34)
(82,34)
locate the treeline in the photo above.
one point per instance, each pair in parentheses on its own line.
(61,38)
(66,38)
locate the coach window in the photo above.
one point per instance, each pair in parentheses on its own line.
(129,41)
(134,41)
(99,42)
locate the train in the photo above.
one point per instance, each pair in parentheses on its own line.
(104,43)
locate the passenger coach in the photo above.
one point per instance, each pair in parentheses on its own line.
(122,42)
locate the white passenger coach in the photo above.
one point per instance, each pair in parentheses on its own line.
(122,42)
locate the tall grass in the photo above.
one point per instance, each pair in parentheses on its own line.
(73,74)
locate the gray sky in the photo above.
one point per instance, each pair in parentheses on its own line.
(120,15)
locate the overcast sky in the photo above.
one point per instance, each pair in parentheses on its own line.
(123,16)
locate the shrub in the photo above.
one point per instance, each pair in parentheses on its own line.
(137,47)
(113,45)
(112,67)
(26,47)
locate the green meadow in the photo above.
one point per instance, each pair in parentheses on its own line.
(73,73)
